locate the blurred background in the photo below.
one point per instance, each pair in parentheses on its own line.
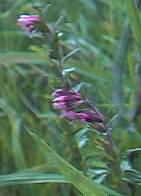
(104,70)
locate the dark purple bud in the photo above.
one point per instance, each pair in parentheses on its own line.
(90,116)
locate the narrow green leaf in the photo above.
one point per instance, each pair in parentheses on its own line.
(30,178)
(134,21)
(80,181)
(23,57)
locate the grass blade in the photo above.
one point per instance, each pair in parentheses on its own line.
(134,21)
(80,181)
(23,57)
(30,178)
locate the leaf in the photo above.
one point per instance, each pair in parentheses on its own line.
(89,4)
(23,57)
(15,129)
(68,71)
(132,176)
(80,181)
(70,54)
(91,72)
(134,21)
(30,178)
(133,150)
(82,85)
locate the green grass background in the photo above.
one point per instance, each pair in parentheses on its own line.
(104,70)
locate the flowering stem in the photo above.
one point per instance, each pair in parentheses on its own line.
(116,173)
(109,146)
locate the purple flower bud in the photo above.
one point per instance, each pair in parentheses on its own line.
(66,99)
(82,117)
(70,115)
(59,106)
(58,93)
(63,92)
(59,99)
(27,22)
(90,116)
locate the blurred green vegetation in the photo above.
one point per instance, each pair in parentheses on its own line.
(104,70)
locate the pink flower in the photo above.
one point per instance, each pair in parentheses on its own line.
(90,116)
(27,22)
(65,99)
(59,106)
(58,92)
(70,115)
(68,101)
(63,92)
(83,116)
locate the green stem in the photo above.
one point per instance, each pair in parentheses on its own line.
(116,173)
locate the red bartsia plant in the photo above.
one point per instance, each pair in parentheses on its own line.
(68,101)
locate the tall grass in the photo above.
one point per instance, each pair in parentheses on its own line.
(101,59)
